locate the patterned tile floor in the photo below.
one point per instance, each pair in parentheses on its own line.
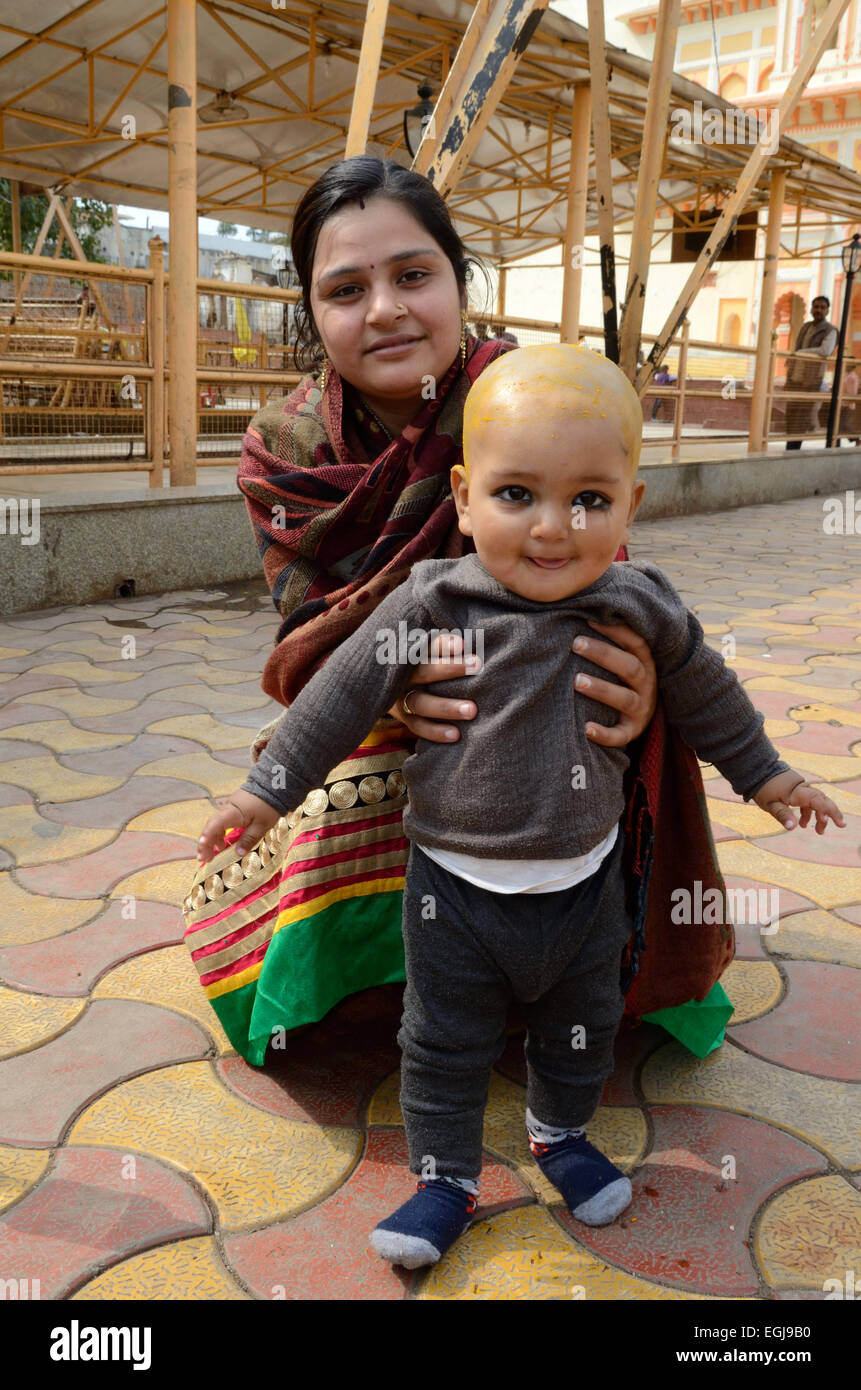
(140,1157)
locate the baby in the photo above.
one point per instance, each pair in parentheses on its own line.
(514,886)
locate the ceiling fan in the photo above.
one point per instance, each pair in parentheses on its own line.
(223,108)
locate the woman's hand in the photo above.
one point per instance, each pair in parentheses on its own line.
(432,712)
(636,699)
(242,808)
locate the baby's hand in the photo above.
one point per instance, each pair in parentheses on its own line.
(242,808)
(789,789)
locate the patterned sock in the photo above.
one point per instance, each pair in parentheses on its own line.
(420,1231)
(547,1134)
(595,1190)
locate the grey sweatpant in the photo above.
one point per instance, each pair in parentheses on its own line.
(469,952)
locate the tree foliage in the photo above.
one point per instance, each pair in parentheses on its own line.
(87,215)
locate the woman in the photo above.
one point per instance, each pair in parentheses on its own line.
(347,485)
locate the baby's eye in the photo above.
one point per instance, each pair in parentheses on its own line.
(592,501)
(513,493)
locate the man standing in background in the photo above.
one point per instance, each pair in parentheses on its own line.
(819,336)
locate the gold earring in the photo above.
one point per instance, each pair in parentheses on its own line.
(325,375)
(463,338)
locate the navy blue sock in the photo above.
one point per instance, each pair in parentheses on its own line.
(420,1232)
(594,1188)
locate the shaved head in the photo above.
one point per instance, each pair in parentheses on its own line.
(552,383)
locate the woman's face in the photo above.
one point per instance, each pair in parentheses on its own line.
(378,274)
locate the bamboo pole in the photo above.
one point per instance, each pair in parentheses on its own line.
(457,71)
(182,204)
(155,393)
(681,379)
(603,174)
(575,226)
(769,404)
(15,192)
(22,288)
(80,269)
(474,88)
(366,76)
(122,260)
(501,291)
(65,223)
(758,427)
(651,160)
(746,180)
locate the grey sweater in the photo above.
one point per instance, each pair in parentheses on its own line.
(523,781)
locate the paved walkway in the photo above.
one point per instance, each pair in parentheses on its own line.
(140,1157)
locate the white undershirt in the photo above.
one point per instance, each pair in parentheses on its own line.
(523,875)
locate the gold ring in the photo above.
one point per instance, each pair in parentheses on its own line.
(408,709)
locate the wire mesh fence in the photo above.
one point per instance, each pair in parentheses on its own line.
(81,381)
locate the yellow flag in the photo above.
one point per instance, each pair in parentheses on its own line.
(243,354)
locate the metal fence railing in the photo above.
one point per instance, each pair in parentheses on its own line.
(84,365)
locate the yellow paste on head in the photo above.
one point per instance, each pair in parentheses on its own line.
(570,379)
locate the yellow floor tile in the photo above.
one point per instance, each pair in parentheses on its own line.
(202,727)
(28,1020)
(817,936)
(19,834)
(204,771)
(757,662)
(215,634)
(50,781)
(225,701)
(167,977)
(26,917)
(524,1255)
(64,737)
(780,728)
(257,1167)
(181,818)
(825,767)
(187,1271)
(753,986)
(748,820)
(100,648)
(843,663)
(828,885)
(161,883)
(827,1114)
(810,1234)
(85,674)
(822,713)
(20,1169)
(205,671)
(74,705)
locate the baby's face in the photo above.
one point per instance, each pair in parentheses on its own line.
(549,500)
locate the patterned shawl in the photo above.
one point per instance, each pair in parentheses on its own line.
(339,524)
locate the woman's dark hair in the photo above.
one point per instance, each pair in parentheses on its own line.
(364,176)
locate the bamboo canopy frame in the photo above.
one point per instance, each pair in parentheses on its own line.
(101,104)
